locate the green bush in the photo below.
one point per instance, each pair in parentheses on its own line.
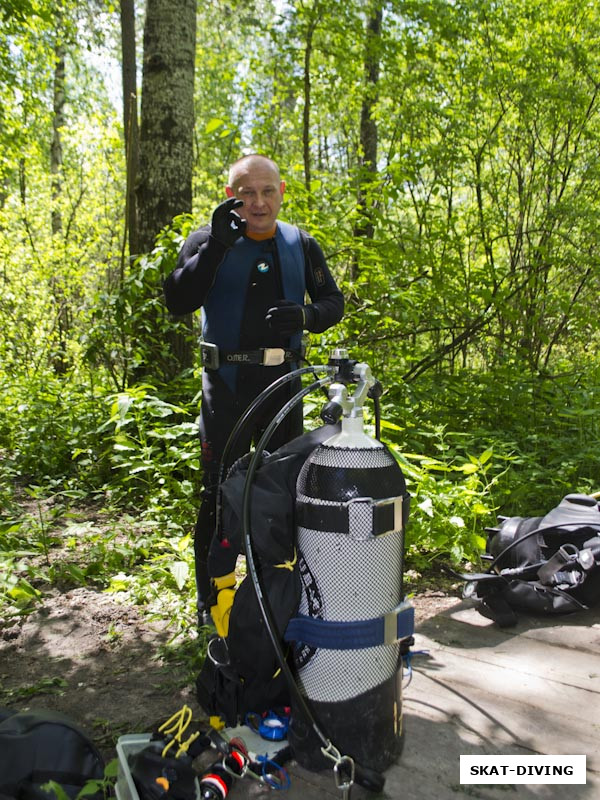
(153,450)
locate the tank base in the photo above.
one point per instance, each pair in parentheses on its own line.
(368,728)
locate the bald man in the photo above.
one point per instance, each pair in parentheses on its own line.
(250,274)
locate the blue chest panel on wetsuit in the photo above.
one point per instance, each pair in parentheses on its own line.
(224,308)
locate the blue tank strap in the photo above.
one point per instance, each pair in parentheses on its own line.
(355,635)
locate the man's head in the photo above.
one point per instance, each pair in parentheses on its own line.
(255,179)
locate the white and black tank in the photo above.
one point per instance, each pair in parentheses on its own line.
(352,505)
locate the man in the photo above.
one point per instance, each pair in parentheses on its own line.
(249,273)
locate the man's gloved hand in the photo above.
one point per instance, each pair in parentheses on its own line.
(286,317)
(227,225)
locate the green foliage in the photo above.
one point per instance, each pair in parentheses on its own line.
(17,594)
(545,427)
(163,584)
(474,301)
(131,335)
(47,422)
(154,452)
(44,686)
(142,561)
(453,497)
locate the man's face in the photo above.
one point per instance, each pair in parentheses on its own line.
(257,183)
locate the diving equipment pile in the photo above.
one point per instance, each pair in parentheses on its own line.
(320,623)
(162,765)
(544,565)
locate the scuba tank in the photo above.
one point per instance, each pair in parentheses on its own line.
(351,508)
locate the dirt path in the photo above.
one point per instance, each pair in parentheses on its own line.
(103,665)
(96,661)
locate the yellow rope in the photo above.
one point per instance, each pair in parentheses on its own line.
(184,747)
(288,564)
(176,726)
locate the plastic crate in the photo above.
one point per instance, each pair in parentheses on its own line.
(132,743)
(128,745)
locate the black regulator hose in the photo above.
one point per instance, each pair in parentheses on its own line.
(375,393)
(259,400)
(365,777)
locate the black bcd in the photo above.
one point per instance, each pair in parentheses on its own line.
(541,565)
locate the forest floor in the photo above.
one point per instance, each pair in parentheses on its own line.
(105,664)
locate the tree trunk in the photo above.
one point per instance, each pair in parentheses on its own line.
(307,102)
(130,118)
(164,186)
(58,123)
(166,157)
(368,128)
(59,357)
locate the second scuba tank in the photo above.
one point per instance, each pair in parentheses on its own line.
(352,504)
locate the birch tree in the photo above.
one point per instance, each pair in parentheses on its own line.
(166,156)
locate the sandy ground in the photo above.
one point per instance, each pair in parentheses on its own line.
(96,658)
(99,662)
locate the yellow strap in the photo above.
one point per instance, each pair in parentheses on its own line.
(225,581)
(288,564)
(178,722)
(166,748)
(221,611)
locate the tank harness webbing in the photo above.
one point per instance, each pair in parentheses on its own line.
(354,635)
(387,515)
(289,564)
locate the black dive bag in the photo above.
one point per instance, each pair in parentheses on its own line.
(244,676)
(541,565)
(41,746)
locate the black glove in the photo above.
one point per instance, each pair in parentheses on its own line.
(286,317)
(227,225)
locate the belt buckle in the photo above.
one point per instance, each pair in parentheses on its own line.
(210,355)
(390,623)
(396,502)
(273,356)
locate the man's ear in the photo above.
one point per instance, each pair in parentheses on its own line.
(229,191)
(282,188)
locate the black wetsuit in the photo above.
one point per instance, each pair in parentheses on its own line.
(235,299)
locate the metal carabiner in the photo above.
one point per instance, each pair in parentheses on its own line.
(341,783)
(340,762)
(236,763)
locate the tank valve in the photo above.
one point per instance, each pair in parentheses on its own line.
(337,405)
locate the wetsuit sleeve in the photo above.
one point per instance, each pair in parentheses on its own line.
(185,289)
(327,307)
